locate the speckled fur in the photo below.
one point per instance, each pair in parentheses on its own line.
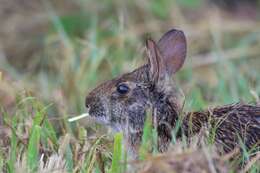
(234,125)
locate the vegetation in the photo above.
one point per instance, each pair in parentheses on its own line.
(67,49)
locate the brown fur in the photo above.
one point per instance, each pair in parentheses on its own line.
(233,125)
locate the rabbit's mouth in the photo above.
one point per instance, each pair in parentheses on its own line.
(98,116)
(97,112)
(101,120)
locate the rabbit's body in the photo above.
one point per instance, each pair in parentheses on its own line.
(230,126)
(122,103)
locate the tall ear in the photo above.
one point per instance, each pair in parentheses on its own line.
(156,64)
(173,48)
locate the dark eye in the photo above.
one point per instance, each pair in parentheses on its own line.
(122,89)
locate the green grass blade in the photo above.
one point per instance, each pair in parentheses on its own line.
(49,136)
(147,137)
(50,132)
(33,148)
(116,166)
(69,159)
(40,115)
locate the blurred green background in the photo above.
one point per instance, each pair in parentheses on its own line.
(58,50)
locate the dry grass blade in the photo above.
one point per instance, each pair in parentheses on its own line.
(55,164)
(78,117)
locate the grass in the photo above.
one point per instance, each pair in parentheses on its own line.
(99,41)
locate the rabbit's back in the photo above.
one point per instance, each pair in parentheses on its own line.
(230,126)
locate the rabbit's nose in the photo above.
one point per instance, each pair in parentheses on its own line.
(90,101)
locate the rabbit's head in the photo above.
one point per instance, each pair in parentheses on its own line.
(121,103)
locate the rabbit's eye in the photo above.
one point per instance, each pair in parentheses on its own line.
(122,89)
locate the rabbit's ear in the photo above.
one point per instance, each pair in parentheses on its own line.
(173,49)
(156,63)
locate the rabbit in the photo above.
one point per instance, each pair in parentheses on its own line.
(123,102)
